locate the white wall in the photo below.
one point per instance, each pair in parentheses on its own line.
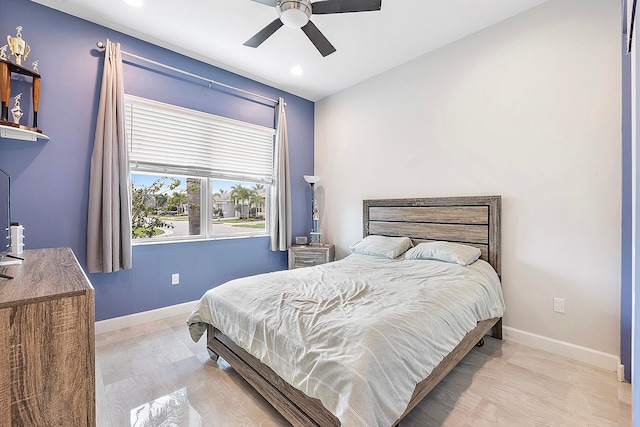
(528,109)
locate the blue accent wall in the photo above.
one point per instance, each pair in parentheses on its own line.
(50,180)
(626,315)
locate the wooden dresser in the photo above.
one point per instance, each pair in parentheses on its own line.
(47,342)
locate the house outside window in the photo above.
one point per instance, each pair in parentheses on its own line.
(209,178)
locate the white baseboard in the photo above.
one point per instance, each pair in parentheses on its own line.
(144,317)
(561,348)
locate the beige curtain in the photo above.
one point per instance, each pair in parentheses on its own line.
(109,222)
(281,190)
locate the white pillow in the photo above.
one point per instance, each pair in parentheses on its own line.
(444,251)
(382,246)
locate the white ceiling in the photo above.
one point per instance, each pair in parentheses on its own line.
(367,43)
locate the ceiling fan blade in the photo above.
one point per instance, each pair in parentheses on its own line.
(345,6)
(267,2)
(264,34)
(318,39)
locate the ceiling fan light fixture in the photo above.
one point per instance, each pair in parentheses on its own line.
(294,13)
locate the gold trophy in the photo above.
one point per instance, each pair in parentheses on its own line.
(19,48)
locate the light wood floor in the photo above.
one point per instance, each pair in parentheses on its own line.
(154,375)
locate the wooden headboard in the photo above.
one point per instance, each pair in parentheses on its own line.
(474,221)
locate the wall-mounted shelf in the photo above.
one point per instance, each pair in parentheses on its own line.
(20,133)
(8,129)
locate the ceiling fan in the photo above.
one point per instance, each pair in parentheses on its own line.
(296,14)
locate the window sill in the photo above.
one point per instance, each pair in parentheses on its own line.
(145,242)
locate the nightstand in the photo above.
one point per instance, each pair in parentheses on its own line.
(308,255)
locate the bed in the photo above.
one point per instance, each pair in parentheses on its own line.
(472,221)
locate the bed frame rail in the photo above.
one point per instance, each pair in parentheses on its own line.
(298,408)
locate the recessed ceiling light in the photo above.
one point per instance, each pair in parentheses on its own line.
(296,71)
(134,3)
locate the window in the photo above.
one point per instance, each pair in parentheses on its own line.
(195,175)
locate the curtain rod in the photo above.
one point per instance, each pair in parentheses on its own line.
(177,70)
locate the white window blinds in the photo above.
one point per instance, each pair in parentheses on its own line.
(175,140)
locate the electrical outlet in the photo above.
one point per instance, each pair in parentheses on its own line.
(558,305)
(175,279)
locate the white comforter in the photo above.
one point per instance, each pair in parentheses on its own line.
(359,333)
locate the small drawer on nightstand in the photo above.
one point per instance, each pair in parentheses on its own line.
(307,256)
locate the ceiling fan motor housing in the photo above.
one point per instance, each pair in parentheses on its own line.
(294,13)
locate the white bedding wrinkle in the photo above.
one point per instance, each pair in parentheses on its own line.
(359,333)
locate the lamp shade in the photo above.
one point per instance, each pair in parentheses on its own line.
(311,179)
